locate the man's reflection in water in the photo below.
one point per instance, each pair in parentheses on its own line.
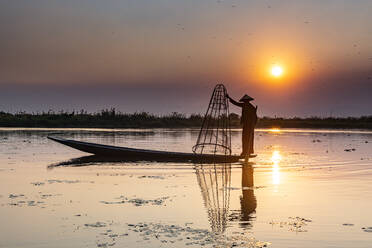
(248,201)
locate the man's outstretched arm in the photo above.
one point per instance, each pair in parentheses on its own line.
(239,104)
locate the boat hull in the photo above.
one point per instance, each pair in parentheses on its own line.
(145,155)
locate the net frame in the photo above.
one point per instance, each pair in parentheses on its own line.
(215,132)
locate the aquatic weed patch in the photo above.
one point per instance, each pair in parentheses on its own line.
(168,234)
(21,200)
(294,224)
(367,229)
(138,201)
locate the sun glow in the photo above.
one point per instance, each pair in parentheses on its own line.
(276,71)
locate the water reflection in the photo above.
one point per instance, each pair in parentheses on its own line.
(275,159)
(94,159)
(90,160)
(215,186)
(214,181)
(248,201)
(274,130)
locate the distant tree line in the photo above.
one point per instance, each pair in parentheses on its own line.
(111,118)
(363,122)
(106,118)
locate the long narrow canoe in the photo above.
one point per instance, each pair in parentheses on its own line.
(146,155)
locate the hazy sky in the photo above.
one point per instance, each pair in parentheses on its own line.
(163,56)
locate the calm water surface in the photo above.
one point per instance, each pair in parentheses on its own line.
(306,188)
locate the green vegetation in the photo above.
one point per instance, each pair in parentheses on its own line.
(110,118)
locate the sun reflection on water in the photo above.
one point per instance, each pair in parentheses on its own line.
(276,158)
(274,130)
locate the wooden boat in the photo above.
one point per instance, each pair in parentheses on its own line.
(134,154)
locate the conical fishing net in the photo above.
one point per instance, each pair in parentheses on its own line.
(215,134)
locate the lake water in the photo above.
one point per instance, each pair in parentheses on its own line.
(306,188)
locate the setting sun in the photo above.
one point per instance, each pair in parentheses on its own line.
(276,71)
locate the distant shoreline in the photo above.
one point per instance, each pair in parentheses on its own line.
(113,119)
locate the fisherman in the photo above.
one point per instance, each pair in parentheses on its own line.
(248,120)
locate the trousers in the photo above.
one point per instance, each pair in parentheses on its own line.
(247,139)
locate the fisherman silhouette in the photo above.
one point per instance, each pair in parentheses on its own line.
(248,120)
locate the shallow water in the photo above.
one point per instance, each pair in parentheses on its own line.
(306,188)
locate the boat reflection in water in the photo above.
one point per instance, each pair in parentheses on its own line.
(90,160)
(215,184)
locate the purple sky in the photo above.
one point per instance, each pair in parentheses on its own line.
(163,56)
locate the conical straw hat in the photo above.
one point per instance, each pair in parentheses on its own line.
(246,98)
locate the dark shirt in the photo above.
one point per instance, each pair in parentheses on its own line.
(249,113)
